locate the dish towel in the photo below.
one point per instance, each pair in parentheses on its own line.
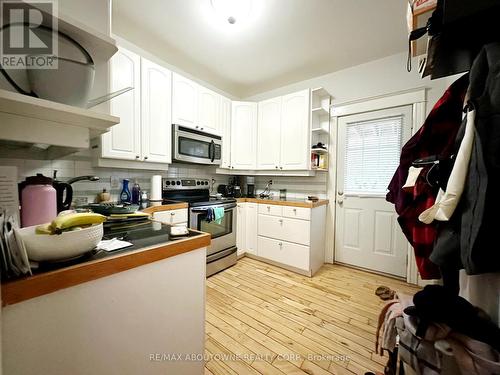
(218,214)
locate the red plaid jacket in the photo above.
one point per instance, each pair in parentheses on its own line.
(435,137)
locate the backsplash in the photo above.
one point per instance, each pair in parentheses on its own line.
(80,165)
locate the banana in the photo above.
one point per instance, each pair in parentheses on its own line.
(44,229)
(61,223)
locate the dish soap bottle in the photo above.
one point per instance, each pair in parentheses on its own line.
(125,195)
(136,193)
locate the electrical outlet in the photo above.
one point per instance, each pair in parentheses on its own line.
(115,182)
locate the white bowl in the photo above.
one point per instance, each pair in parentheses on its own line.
(55,247)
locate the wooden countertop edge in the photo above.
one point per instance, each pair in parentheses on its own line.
(38,285)
(311,204)
(165,207)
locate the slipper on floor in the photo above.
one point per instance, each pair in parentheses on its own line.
(382,290)
(387,296)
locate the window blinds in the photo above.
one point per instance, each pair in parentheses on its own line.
(372,155)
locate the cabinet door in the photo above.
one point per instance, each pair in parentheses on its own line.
(156,113)
(208,110)
(184,101)
(284,252)
(172,217)
(268,134)
(244,135)
(123,141)
(295,134)
(241,228)
(251,228)
(225,131)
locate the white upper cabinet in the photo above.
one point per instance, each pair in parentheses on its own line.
(295,131)
(244,135)
(184,101)
(156,113)
(225,131)
(268,134)
(208,110)
(123,140)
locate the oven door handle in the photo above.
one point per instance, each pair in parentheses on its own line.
(204,209)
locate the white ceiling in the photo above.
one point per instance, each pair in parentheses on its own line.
(283,41)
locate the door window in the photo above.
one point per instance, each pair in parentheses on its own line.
(372,154)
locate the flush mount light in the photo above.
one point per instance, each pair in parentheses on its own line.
(232,11)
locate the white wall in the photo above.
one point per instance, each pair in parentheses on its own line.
(375,78)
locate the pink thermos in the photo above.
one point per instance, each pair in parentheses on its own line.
(38,200)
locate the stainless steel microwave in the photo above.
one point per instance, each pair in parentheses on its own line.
(194,146)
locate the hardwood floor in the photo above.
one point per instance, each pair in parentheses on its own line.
(262,319)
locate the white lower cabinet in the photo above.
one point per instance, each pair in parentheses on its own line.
(279,227)
(241,228)
(288,253)
(172,217)
(292,237)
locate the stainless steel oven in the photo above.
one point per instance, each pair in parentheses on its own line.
(222,251)
(194,146)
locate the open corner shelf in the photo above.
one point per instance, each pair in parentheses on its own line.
(320,111)
(320,131)
(319,151)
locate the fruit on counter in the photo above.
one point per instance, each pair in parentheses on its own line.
(61,223)
(44,229)
(70,222)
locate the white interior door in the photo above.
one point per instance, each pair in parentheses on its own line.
(367,233)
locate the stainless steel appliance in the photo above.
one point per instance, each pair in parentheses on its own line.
(194,146)
(248,186)
(221,253)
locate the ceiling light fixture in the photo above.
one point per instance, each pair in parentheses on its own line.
(232,10)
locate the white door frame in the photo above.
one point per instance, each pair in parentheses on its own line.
(418,99)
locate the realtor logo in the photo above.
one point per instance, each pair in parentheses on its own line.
(29,34)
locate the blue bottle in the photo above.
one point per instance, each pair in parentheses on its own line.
(136,193)
(125,195)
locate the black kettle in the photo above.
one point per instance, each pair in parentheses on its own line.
(64,194)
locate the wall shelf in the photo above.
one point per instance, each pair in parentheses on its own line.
(38,121)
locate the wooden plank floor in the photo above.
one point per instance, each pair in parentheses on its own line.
(262,319)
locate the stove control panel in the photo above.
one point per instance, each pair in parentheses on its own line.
(185,183)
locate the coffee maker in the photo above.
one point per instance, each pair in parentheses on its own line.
(234,187)
(248,185)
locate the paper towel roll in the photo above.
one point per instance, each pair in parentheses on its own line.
(156,194)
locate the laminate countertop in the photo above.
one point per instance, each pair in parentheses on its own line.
(152,207)
(286,202)
(56,277)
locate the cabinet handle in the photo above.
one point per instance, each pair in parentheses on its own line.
(145,158)
(201,128)
(276,167)
(172,213)
(295,210)
(137,156)
(281,167)
(197,127)
(281,221)
(269,208)
(281,244)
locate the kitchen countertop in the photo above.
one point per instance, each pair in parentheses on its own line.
(54,277)
(286,202)
(152,207)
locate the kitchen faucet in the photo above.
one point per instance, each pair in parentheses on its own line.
(82,178)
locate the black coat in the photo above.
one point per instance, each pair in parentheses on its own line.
(473,234)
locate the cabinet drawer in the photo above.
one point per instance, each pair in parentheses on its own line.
(172,217)
(270,209)
(297,212)
(284,252)
(291,230)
